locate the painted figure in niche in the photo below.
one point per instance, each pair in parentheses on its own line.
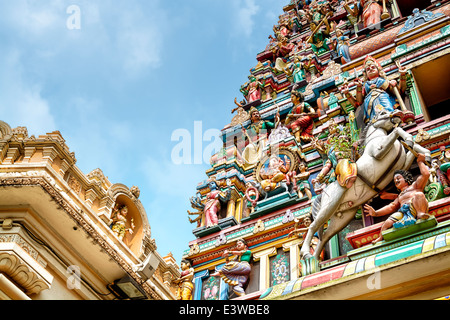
(302,177)
(252,91)
(300,120)
(214,200)
(341,46)
(236,272)
(119,221)
(184,282)
(281,47)
(410,205)
(284,27)
(257,133)
(375,92)
(297,70)
(277,170)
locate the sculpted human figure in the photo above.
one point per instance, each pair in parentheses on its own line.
(369,10)
(375,92)
(253,89)
(410,205)
(341,47)
(119,220)
(184,282)
(257,133)
(236,272)
(213,203)
(300,120)
(318,38)
(302,177)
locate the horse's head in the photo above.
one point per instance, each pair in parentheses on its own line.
(387,120)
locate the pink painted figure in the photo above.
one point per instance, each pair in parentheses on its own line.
(213,203)
(370,11)
(253,90)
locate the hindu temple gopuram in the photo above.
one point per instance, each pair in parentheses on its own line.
(333,179)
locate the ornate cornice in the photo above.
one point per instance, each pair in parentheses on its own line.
(77,216)
(20,273)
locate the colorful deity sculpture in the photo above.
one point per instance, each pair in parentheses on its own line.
(300,120)
(184,282)
(277,170)
(257,133)
(410,205)
(296,70)
(370,11)
(236,272)
(252,91)
(339,155)
(342,47)
(214,200)
(318,38)
(119,221)
(375,92)
(302,177)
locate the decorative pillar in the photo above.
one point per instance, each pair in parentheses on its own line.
(294,256)
(264,266)
(231,207)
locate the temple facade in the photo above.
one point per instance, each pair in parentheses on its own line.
(301,201)
(67,235)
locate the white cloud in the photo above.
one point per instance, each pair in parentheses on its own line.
(243,20)
(21,101)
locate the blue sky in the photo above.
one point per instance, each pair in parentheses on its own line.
(120,85)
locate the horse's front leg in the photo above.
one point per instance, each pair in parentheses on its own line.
(384,145)
(408,138)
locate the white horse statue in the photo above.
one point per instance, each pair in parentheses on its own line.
(383,154)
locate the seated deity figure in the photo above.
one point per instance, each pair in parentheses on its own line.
(300,120)
(375,92)
(276,172)
(318,38)
(410,205)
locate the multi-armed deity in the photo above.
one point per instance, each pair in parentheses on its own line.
(375,91)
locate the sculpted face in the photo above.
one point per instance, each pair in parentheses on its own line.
(371,70)
(255,116)
(400,181)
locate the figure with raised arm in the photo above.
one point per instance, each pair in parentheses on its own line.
(410,205)
(236,272)
(375,91)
